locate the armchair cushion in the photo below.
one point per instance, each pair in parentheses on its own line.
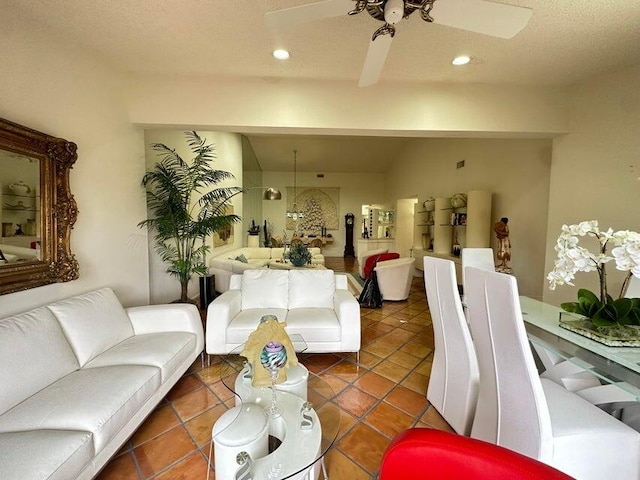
(311,289)
(265,289)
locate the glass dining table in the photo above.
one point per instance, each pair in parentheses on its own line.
(619,366)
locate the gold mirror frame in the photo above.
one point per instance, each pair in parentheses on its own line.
(58,209)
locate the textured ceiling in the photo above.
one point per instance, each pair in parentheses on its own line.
(564,42)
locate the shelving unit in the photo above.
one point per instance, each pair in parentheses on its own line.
(18,209)
(467,226)
(380,223)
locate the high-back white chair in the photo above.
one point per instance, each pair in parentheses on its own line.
(537,417)
(453,384)
(476,257)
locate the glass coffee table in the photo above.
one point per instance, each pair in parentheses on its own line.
(251,442)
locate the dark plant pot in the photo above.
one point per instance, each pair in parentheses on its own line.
(298,262)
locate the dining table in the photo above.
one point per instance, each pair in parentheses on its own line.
(619,366)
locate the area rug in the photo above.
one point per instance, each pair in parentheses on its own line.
(355,284)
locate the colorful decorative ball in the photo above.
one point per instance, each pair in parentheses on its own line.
(273,356)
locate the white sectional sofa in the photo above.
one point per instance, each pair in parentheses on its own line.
(225,265)
(78,377)
(314,303)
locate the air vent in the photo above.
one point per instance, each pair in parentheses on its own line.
(319,175)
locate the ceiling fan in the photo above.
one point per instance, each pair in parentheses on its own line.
(480,16)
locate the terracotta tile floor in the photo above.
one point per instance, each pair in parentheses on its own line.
(382,397)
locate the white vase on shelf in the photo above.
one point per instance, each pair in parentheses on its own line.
(19,188)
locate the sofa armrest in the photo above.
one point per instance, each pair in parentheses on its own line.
(174,317)
(347,310)
(219,314)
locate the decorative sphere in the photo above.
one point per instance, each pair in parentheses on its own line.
(273,356)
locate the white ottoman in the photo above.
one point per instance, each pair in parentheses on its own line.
(241,429)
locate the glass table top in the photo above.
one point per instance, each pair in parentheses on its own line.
(615,365)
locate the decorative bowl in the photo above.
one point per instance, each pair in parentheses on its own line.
(459,200)
(429,204)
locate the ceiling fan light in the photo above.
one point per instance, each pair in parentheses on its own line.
(281,54)
(461,60)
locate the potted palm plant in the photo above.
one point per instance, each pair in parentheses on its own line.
(184,208)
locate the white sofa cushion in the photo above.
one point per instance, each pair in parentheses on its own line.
(50,454)
(247,321)
(311,288)
(317,324)
(93,322)
(33,348)
(265,289)
(98,400)
(163,350)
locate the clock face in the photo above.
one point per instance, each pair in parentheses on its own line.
(349,219)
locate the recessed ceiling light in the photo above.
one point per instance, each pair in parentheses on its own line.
(461,60)
(281,54)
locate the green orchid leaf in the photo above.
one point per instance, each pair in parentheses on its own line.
(583,293)
(622,307)
(634,317)
(572,307)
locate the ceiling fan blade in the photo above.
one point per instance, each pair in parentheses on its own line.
(290,17)
(480,16)
(373,64)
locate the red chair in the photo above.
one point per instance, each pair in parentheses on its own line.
(371,261)
(424,453)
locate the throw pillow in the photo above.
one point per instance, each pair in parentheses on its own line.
(241,258)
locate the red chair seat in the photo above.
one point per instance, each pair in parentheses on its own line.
(371,261)
(424,453)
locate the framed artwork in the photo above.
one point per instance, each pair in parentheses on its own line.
(225,236)
(320,206)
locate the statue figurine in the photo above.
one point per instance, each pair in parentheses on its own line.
(504,244)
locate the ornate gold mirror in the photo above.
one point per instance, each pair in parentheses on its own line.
(37,209)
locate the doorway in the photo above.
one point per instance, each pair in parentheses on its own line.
(405,225)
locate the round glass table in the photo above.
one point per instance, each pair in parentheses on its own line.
(251,441)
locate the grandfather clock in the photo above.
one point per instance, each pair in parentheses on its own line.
(348,244)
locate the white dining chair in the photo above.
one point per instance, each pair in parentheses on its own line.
(537,417)
(476,257)
(453,384)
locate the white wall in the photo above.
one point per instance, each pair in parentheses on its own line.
(596,168)
(286,106)
(516,171)
(356,189)
(56,87)
(163,287)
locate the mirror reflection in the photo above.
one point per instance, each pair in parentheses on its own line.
(20,208)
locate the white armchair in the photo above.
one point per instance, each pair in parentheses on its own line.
(394,278)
